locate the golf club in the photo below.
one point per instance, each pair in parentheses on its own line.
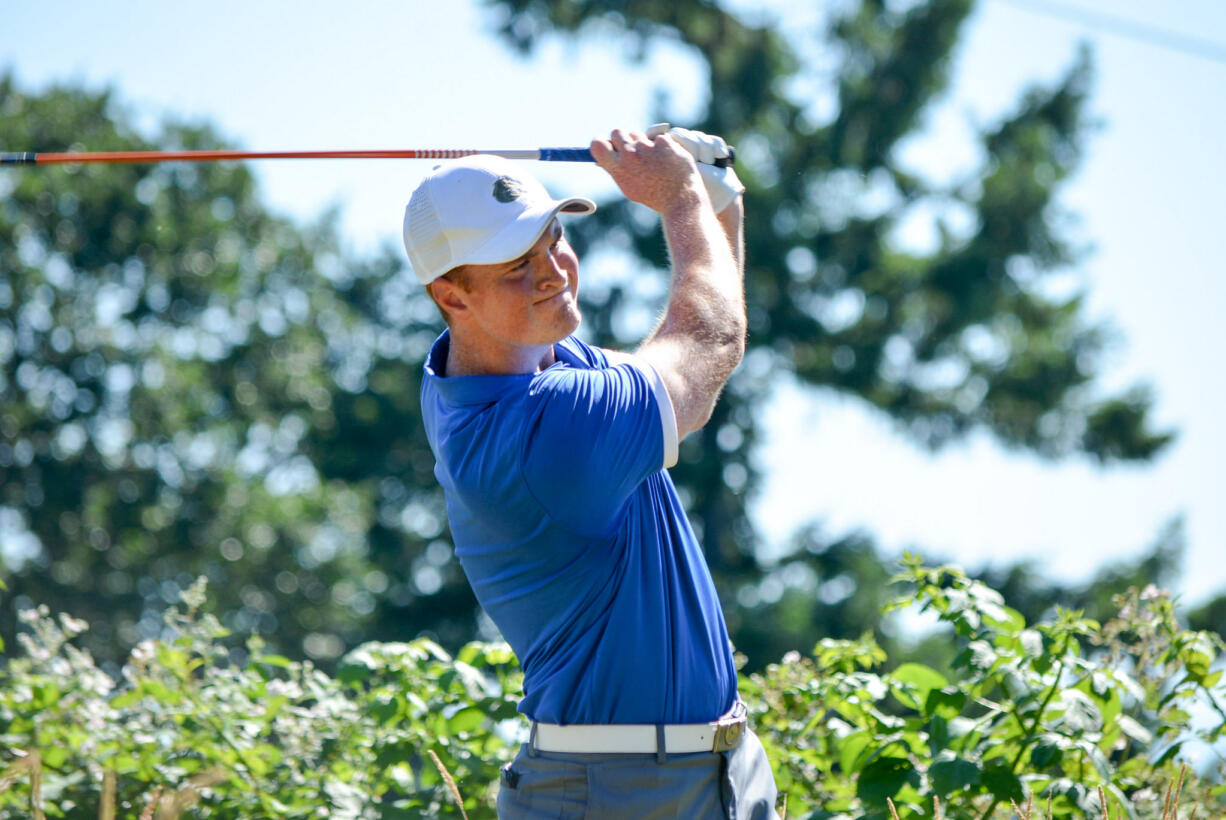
(80,157)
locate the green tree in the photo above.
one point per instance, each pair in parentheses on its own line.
(192,385)
(957,338)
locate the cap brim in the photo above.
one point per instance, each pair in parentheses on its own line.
(514,240)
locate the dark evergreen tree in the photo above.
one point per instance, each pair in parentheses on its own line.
(962,337)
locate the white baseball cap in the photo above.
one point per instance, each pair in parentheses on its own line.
(479,210)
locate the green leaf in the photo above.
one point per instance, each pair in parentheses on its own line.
(1002,783)
(44,695)
(395,752)
(275,660)
(1032,642)
(347,802)
(1134,730)
(161,692)
(978,655)
(1169,753)
(386,708)
(938,734)
(851,750)
(1081,713)
(1096,757)
(1012,622)
(953,774)
(991,605)
(54,756)
(1046,753)
(126,699)
(1198,655)
(474,681)
(275,706)
(465,720)
(353,670)
(1134,689)
(947,703)
(916,682)
(885,777)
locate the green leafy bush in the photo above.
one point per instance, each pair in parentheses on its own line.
(1053,711)
(188,728)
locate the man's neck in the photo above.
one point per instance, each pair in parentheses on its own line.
(500,360)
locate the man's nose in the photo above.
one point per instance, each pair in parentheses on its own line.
(552,273)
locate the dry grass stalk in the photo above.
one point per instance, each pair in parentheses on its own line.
(936,808)
(1183,772)
(1102,800)
(1029,810)
(450,781)
(147,814)
(1167,802)
(36,786)
(173,805)
(1170,805)
(106,809)
(16,769)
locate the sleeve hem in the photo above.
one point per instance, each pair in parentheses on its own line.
(668,417)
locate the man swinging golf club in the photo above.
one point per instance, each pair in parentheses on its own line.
(553,458)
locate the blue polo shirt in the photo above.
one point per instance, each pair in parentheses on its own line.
(571,534)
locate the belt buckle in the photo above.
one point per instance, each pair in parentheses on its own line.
(730,731)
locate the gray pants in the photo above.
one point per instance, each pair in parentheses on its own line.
(732,785)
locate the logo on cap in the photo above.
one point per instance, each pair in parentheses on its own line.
(507,189)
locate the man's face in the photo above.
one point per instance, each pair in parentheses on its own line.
(529,301)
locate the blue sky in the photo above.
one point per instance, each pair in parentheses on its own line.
(1147,203)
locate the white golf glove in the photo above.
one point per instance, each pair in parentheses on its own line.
(721,183)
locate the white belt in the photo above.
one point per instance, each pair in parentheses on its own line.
(635,738)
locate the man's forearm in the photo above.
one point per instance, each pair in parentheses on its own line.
(732,220)
(706,296)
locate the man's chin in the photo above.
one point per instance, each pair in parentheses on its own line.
(569,322)
(578,320)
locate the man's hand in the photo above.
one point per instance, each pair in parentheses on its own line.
(701,337)
(657,173)
(722,184)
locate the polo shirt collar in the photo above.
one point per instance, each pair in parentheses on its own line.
(484,389)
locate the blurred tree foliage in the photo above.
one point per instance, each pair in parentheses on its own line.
(834,586)
(192,385)
(967,334)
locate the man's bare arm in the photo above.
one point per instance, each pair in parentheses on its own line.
(701,338)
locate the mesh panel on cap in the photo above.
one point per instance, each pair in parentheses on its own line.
(429,251)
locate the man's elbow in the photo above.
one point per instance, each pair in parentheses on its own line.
(732,342)
(724,356)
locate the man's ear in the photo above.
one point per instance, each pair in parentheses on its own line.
(449,296)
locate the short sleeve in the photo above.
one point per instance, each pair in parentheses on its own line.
(595,436)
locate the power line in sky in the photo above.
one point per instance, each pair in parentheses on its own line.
(1123,27)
